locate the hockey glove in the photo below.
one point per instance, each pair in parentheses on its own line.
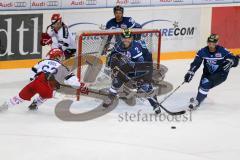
(227,64)
(45,39)
(68,53)
(188,76)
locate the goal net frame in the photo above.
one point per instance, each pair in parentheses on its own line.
(80,38)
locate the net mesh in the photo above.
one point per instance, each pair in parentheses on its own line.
(95,43)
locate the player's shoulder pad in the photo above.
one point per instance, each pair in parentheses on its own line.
(202,52)
(131,20)
(137,25)
(223,50)
(61,64)
(141,43)
(117,48)
(110,23)
(65,31)
(41,60)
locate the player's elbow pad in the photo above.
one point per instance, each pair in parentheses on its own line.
(73,82)
(141,59)
(195,64)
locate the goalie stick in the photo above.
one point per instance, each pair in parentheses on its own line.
(160,104)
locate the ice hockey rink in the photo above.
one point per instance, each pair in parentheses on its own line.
(211,134)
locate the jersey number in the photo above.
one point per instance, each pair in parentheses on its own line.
(52,70)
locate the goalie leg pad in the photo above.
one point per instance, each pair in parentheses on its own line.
(117,83)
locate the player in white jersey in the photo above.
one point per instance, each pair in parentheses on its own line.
(59,36)
(46,78)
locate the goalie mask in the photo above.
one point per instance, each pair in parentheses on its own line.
(127,38)
(126,33)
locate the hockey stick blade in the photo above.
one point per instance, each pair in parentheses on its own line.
(172,113)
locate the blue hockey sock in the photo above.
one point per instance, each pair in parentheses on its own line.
(202,94)
(153,101)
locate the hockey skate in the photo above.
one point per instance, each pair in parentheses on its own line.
(109,100)
(33,106)
(194,104)
(4,107)
(130,101)
(157,109)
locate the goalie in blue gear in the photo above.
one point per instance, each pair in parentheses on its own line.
(131,61)
(217,63)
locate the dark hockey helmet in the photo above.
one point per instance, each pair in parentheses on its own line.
(118,8)
(126,33)
(213,38)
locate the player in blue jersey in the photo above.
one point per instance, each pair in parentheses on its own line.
(120,21)
(217,63)
(131,61)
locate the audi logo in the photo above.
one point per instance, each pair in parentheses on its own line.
(52,3)
(91,2)
(135,1)
(20,4)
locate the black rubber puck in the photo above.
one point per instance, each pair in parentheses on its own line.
(173,127)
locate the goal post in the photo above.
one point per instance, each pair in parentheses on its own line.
(94,43)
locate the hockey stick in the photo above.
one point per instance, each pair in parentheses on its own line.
(172,113)
(160,104)
(165,98)
(90,92)
(169,112)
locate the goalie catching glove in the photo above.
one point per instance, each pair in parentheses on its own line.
(122,62)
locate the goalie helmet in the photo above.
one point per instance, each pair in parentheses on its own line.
(126,33)
(213,38)
(56,17)
(56,54)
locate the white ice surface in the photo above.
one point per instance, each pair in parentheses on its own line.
(213,133)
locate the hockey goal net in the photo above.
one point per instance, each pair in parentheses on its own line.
(93,47)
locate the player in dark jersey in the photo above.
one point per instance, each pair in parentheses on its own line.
(131,59)
(217,63)
(120,21)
